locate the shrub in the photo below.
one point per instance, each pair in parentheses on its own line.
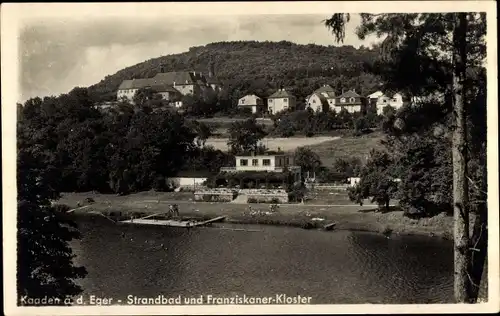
(275,200)
(252,200)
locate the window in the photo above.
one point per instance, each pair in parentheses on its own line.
(266,162)
(352,100)
(342,100)
(285,99)
(287,160)
(242,101)
(243,162)
(255,162)
(190,90)
(271,100)
(314,100)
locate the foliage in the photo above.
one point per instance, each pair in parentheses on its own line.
(307,159)
(43,232)
(377,181)
(122,150)
(349,167)
(416,60)
(244,137)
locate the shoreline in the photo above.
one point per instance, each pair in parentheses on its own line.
(346,217)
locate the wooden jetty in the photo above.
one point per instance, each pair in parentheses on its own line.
(172,222)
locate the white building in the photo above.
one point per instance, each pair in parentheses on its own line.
(171,85)
(321,99)
(281,100)
(264,163)
(381,100)
(251,101)
(349,101)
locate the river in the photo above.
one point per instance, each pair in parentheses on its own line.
(337,267)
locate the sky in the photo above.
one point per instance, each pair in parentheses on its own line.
(60,53)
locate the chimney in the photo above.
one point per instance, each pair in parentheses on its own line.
(174,83)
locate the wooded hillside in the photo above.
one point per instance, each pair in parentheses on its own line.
(260,67)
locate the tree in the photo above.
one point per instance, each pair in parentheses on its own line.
(244,136)
(202,131)
(307,159)
(376,181)
(43,232)
(419,46)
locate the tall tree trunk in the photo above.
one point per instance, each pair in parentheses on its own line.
(459,155)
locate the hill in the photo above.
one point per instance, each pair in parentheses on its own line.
(260,67)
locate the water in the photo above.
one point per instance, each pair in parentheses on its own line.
(331,267)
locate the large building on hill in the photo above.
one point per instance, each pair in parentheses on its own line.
(281,100)
(321,99)
(171,85)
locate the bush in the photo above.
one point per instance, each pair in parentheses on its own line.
(275,201)
(252,200)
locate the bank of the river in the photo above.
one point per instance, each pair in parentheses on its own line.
(346,217)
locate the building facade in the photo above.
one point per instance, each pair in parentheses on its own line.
(281,100)
(349,101)
(321,99)
(251,101)
(265,163)
(171,85)
(381,100)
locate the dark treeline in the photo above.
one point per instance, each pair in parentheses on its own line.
(125,149)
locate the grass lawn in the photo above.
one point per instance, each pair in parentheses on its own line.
(272,143)
(347,147)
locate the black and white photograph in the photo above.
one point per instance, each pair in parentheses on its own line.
(250,157)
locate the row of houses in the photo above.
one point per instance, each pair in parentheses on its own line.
(322,99)
(172,85)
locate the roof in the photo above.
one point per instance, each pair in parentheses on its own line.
(147,83)
(349,94)
(177,77)
(282,93)
(134,84)
(330,92)
(376,94)
(250,95)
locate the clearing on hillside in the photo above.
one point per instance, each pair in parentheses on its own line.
(273,143)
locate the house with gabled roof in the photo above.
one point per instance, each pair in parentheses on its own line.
(251,101)
(321,99)
(281,100)
(350,101)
